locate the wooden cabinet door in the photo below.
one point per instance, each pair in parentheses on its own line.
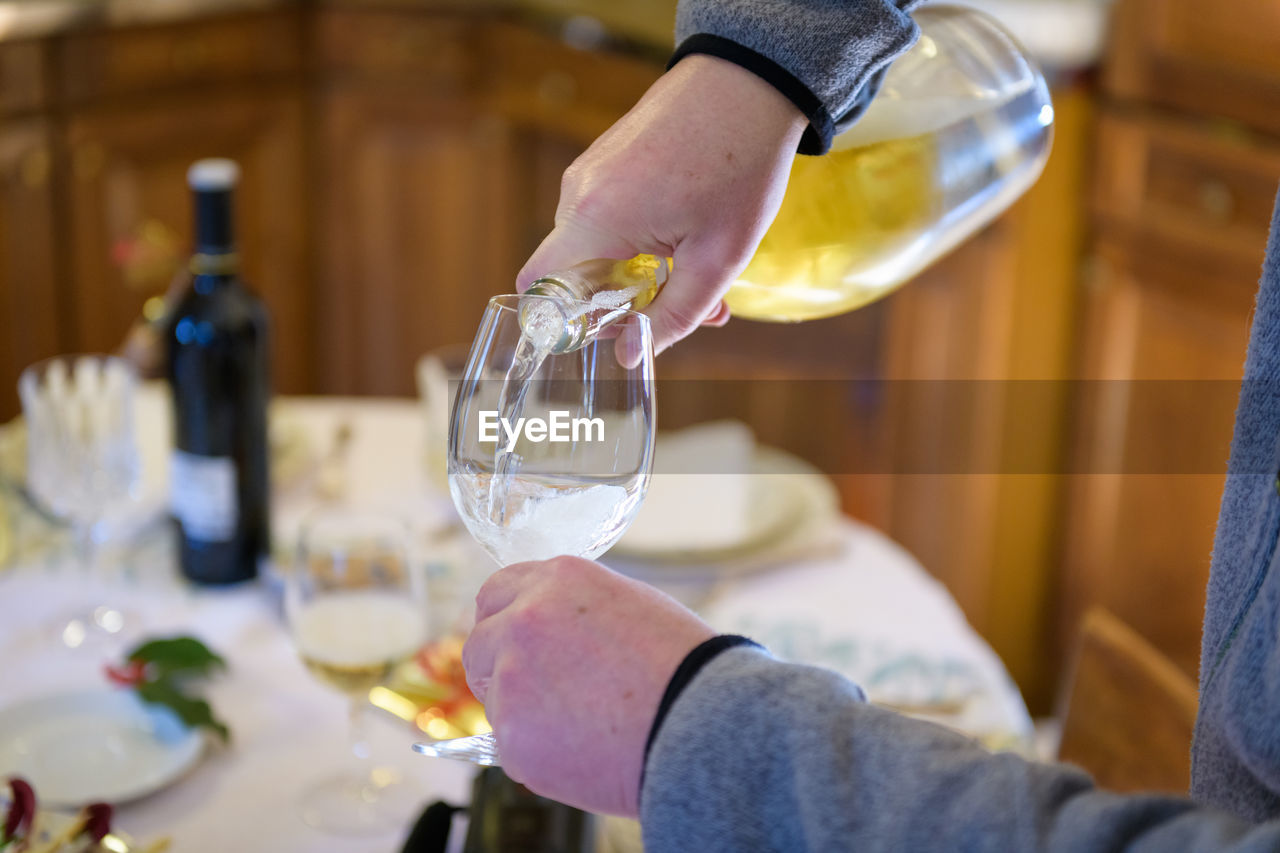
(28,281)
(442,145)
(1163,351)
(417,232)
(1181,213)
(127,188)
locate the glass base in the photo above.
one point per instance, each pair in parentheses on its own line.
(98,630)
(479,749)
(356,805)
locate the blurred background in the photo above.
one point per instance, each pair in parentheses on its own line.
(402,158)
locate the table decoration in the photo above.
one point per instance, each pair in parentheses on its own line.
(28,829)
(161,670)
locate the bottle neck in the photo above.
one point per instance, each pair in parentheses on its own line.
(214,272)
(215,263)
(563,284)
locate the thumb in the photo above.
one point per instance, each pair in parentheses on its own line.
(570,244)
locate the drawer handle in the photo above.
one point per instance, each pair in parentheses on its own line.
(1217,200)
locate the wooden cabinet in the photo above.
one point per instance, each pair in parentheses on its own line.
(29,298)
(416,233)
(1198,58)
(440,175)
(1181,204)
(127,186)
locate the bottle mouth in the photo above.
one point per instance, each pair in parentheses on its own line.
(560,324)
(552,323)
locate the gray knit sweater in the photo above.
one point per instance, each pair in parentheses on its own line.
(753,754)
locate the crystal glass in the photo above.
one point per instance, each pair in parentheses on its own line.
(82,457)
(356,605)
(550,448)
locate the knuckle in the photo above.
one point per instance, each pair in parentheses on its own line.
(526,626)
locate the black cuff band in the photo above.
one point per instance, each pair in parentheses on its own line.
(822,127)
(688,668)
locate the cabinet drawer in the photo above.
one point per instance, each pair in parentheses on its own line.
(1187,187)
(127,61)
(423,50)
(1201,56)
(546,81)
(22,77)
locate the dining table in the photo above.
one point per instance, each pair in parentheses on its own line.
(846,597)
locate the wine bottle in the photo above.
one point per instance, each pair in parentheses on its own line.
(216,349)
(961,128)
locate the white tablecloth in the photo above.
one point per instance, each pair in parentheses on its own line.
(863,606)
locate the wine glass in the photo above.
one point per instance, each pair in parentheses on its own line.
(550,446)
(356,604)
(81,457)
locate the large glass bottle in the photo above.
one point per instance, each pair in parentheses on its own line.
(961,127)
(217,340)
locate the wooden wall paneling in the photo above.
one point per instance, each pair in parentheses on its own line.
(416,232)
(126,166)
(29,298)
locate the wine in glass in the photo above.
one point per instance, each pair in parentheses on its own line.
(550,439)
(356,604)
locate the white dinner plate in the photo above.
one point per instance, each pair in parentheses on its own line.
(95,746)
(787,499)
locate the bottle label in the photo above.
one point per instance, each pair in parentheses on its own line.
(202,495)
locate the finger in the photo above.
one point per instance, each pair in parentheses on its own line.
(699,279)
(478,654)
(635,341)
(719,316)
(569,244)
(501,589)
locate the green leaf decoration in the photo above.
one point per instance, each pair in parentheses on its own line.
(176,656)
(193,711)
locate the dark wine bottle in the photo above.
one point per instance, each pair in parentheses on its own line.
(217,341)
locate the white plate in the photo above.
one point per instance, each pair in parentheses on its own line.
(100,745)
(787,498)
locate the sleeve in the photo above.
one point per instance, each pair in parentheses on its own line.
(827,56)
(756,754)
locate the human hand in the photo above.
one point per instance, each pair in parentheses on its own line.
(695,171)
(571,660)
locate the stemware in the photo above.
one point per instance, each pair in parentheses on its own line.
(550,449)
(82,456)
(355,601)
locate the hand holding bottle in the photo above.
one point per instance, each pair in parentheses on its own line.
(695,171)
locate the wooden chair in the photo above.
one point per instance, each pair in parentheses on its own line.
(1129,712)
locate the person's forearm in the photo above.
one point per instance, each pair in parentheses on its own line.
(826,56)
(760,755)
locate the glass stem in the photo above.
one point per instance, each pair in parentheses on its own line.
(84,547)
(359,741)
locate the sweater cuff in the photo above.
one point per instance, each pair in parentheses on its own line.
(693,662)
(822,127)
